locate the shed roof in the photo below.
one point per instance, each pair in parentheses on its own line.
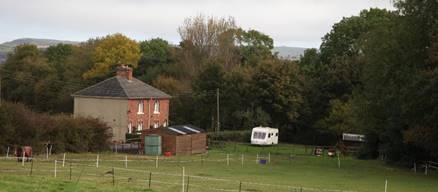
(120,87)
(183,129)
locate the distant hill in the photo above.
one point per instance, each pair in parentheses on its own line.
(9,46)
(41,43)
(292,53)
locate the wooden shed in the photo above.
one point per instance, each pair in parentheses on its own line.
(179,139)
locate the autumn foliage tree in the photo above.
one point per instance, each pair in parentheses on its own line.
(112,51)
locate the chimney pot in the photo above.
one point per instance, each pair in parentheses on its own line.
(124,71)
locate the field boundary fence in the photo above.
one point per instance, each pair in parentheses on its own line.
(89,169)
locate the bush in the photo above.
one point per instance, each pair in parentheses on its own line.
(20,126)
(235,136)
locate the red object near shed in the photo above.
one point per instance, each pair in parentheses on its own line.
(25,151)
(179,139)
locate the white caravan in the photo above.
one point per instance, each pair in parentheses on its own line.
(264,136)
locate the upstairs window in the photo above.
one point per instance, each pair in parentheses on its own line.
(157,106)
(140,107)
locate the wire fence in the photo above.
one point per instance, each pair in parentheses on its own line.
(142,171)
(165,173)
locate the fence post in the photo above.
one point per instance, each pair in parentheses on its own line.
(178,160)
(188,182)
(31,167)
(126,161)
(97,161)
(415,167)
(22,158)
(257,158)
(63,160)
(156,161)
(182,179)
(240,186)
(47,152)
(339,162)
(242,159)
(386,184)
(7,153)
(55,167)
(426,167)
(114,175)
(202,160)
(150,179)
(228,159)
(70,172)
(269,157)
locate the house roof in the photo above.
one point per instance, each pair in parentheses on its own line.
(121,87)
(183,129)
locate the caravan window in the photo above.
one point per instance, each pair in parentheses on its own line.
(259,135)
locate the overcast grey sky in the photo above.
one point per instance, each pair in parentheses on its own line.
(289,22)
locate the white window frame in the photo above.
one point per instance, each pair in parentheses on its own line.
(140,107)
(165,123)
(140,126)
(156,124)
(157,106)
(130,127)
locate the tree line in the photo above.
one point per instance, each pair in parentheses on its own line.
(374,74)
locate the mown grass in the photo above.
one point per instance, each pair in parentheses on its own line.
(292,168)
(17,183)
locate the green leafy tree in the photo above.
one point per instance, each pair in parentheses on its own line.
(57,57)
(204,87)
(398,78)
(340,119)
(23,75)
(278,90)
(238,102)
(253,45)
(157,58)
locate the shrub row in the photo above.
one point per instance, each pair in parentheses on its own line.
(20,126)
(235,136)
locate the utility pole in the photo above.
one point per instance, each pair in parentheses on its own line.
(217,112)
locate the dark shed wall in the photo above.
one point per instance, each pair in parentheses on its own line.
(178,144)
(168,143)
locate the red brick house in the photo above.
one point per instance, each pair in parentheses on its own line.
(125,103)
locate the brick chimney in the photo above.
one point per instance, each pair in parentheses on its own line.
(124,71)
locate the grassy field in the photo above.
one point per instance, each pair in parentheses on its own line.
(291,169)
